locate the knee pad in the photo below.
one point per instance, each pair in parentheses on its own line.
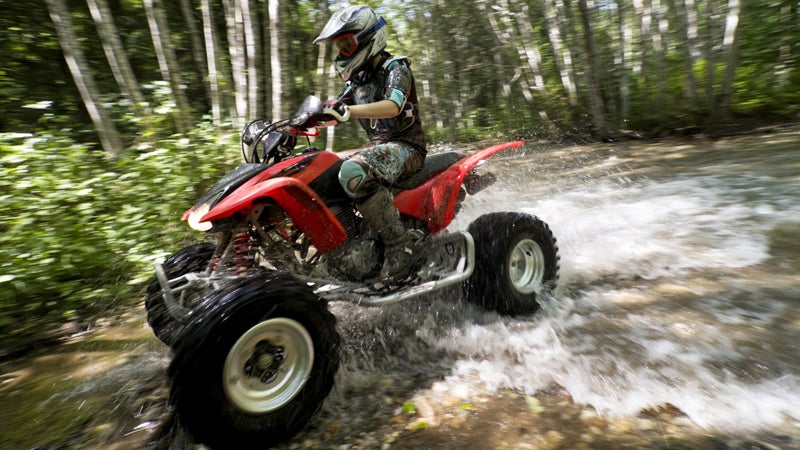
(352,177)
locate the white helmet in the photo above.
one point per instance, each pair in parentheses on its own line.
(358,33)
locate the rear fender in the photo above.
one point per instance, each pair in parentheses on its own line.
(434,201)
(307,211)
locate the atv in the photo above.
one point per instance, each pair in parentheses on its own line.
(255,345)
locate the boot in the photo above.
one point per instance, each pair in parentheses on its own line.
(400,255)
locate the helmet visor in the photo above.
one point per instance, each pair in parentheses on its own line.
(347,44)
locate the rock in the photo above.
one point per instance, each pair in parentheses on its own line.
(644,424)
(554,438)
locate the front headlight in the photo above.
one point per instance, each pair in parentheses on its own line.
(196,215)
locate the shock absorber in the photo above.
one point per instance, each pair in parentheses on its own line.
(242,256)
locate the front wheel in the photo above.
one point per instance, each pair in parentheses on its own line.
(256,365)
(516,262)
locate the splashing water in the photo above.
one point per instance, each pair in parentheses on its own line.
(678,286)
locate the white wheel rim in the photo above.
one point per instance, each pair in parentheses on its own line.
(526,266)
(268,366)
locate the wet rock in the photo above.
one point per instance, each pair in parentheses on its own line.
(425,411)
(620,426)
(644,424)
(554,438)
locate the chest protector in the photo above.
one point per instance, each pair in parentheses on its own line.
(369,87)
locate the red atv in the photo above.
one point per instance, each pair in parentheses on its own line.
(256,348)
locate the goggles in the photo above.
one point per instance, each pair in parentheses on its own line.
(347,43)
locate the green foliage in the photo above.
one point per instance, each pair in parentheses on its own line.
(79,231)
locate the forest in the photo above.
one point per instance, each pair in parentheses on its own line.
(117,114)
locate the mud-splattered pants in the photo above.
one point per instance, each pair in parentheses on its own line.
(378,165)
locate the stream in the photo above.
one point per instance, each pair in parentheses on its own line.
(676,324)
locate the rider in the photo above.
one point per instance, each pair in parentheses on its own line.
(380,93)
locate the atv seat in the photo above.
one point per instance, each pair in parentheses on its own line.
(434,164)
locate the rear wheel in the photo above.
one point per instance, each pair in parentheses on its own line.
(516,262)
(257,364)
(168,321)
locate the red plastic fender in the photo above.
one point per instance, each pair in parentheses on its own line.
(435,200)
(302,204)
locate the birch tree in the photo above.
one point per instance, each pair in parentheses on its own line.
(624,57)
(187,10)
(211,57)
(167,61)
(529,51)
(82,76)
(790,29)
(235,31)
(710,42)
(659,38)
(686,15)
(729,46)
(507,25)
(324,72)
(275,58)
(642,65)
(249,26)
(553,12)
(596,109)
(115,54)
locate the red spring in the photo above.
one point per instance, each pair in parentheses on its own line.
(242,258)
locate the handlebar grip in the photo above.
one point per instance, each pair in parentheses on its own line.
(339,116)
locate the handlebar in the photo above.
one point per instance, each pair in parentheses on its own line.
(268,143)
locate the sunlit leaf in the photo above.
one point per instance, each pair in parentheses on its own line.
(534,404)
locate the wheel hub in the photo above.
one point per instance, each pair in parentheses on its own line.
(268,365)
(265,361)
(526,266)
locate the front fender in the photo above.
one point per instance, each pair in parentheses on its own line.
(307,211)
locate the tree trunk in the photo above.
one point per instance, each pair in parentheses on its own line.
(659,51)
(235,31)
(787,58)
(76,61)
(197,44)
(645,16)
(592,73)
(251,52)
(687,24)
(116,55)
(529,76)
(275,60)
(710,57)
(210,34)
(563,57)
(625,53)
(530,53)
(324,73)
(167,61)
(729,45)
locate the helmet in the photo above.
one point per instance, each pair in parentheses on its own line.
(358,33)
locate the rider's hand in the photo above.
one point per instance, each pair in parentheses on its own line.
(336,109)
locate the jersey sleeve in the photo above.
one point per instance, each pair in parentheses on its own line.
(398,84)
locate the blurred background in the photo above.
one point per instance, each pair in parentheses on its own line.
(117,114)
(676,320)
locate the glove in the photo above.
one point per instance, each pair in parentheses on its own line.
(336,109)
